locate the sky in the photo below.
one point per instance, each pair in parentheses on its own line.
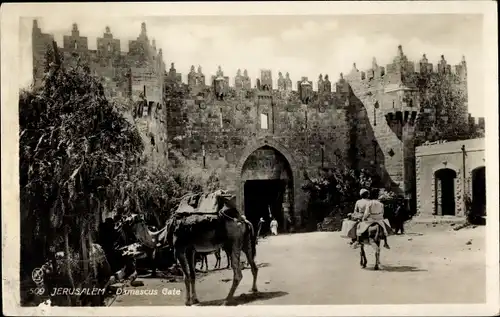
(301,45)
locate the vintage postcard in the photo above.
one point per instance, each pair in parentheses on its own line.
(257,159)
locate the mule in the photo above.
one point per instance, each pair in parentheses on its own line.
(146,238)
(372,236)
(223,227)
(114,237)
(203,258)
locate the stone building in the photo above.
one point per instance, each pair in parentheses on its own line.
(264,139)
(446,173)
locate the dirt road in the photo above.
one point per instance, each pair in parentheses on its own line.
(428,265)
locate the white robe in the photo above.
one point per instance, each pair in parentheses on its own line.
(373,214)
(274,227)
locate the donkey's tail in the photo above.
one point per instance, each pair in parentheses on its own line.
(252,237)
(169,232)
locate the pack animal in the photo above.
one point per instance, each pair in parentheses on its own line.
(203,258)
(146,245)
(372,236)
(114,237)
(194,231)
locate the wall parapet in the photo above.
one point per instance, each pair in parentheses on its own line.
(450,147)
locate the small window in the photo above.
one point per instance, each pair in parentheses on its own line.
(109,47)
(264,121)
(76,45)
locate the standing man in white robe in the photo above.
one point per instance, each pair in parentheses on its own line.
(274,227)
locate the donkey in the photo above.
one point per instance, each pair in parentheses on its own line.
(147,239)
(372,236)
(197,231)
(203,258)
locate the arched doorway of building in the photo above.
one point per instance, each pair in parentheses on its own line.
(479,191)
(267,183)
(445,192)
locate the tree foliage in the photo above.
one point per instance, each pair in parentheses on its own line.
(335,191)
(443,101)
(73,147)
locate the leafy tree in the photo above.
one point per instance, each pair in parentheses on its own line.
(442,101)
(73,147)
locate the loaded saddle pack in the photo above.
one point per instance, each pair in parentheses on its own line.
(198,212)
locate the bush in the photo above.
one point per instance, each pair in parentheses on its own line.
(334,192)
(74,147)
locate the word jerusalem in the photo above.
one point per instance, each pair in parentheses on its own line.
(77,291)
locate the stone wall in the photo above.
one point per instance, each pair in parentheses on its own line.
(128,78)
(225,131)
(367,119)
(432,158)
(129,74)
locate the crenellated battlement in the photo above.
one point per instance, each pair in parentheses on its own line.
(391,73)
(106,46)
(401,66)
(138,72)
(143,51)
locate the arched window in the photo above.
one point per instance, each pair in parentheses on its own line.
(109,47)
(75,45)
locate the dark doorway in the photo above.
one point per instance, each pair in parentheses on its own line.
(479,191)
(445,192)
(262,196)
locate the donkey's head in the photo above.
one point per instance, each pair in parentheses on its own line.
(224,198)
(135,225)
(129,221)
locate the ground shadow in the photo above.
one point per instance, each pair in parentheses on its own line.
(416,234)
(401,269)
(220,269)
(245,298)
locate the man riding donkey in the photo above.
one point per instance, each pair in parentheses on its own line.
(367,212)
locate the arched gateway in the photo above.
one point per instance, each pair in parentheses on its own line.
(267,183)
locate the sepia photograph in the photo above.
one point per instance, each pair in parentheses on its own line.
(294,160)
